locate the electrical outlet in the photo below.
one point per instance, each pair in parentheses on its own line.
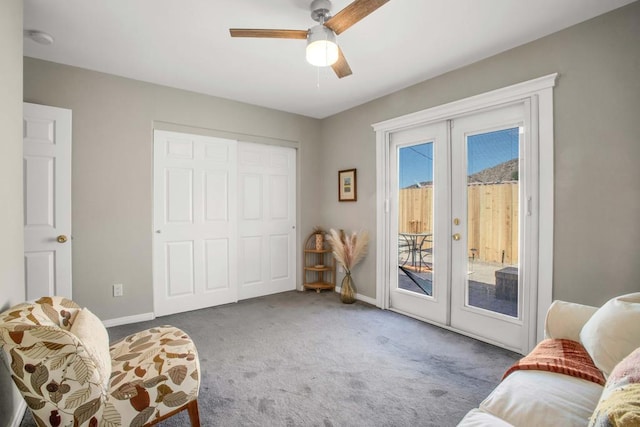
(118,290)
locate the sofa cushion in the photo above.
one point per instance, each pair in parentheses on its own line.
(538,398)
(620,401)
(478,418)
(91,332)
(613,332)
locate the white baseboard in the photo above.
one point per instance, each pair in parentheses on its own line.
(143,317)
(18,414)
(360,297)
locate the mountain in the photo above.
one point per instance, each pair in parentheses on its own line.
(504,172)
(420,185)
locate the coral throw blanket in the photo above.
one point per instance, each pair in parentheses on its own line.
(562,356)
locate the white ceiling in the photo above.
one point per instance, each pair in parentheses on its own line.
(186,44)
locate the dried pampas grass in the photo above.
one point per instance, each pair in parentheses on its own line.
(348,249)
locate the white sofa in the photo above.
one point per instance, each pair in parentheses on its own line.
(610,334)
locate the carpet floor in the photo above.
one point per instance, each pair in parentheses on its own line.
(305,359)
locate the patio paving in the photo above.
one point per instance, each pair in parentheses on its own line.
(481,294)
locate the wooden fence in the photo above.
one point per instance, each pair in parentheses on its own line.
(492,224)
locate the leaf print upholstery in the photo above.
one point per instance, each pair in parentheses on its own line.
(154,373)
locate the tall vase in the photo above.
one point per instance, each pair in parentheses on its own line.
(348,290)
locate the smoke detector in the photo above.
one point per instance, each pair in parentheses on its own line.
(39,37)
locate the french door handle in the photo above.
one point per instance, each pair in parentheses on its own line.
(456,237)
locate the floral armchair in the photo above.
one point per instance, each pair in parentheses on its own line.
(60,360)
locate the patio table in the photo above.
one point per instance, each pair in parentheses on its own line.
(414,243)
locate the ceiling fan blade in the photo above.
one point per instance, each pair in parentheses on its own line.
(270,34)
(341,66)
(353,13)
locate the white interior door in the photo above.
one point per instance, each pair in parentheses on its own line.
(47,200)
(267,219)
(195,222)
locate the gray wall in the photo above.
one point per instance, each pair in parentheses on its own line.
(11,243)
(597,199)
(113,121)
(597,149)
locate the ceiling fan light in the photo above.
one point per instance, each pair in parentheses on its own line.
(322,53)
(322,49)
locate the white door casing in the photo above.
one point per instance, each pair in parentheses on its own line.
(267,219)
(194,239)
(47,201)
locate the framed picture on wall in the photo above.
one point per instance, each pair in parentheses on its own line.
(347,186)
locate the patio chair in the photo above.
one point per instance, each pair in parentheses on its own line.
(416,248)
(61,362)
(404,249)
(426,252)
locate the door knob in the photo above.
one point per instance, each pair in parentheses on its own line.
(456,236)
(61,238)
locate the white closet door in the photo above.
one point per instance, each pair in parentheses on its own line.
(47,200)
(267,219)
(195,222)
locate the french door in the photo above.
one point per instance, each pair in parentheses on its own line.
(460,223)
(491,176)
(420,264)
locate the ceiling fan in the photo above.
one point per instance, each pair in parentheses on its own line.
(322,49)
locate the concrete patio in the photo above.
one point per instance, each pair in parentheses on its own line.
(482,287)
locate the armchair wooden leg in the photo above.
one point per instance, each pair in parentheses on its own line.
(192,410)
(194,416)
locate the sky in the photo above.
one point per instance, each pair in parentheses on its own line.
(484,151)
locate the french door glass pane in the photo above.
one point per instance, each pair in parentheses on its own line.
(492,220)
(415,218)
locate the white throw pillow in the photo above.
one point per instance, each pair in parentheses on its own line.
(613,332)
(91,332)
